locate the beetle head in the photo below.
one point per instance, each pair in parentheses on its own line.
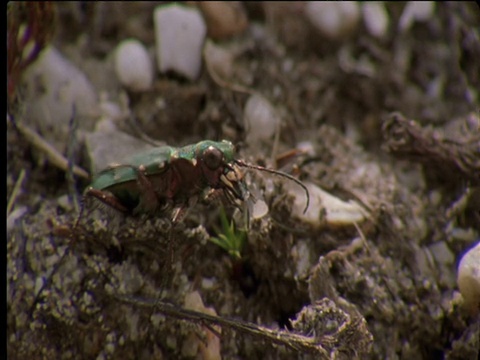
(220,174)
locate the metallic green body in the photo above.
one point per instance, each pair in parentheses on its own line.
(156,161)
(147,181)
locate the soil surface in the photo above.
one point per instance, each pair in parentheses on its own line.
(383,132)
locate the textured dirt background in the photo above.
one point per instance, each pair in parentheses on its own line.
(384,288)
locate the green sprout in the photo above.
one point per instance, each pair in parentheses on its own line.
(228,238)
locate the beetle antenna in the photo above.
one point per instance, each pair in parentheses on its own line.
(279,173)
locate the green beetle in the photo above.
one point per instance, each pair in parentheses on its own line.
(150,181)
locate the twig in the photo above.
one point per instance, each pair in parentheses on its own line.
(291,340)
(70,154)
(15,191)
(406,138)
(53,155)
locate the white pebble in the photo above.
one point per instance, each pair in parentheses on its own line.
(14,216)
(261,119)
(179,33)
(208,283)
(260,209)
(376,18)
(415,11)
(64,87)
(133,65)
(468,278)
(334,19)
(324,208)
(301,255)
(442,253)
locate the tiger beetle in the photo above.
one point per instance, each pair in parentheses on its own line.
(163,177)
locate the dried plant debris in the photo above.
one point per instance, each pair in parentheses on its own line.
(343,336)
(30,28)
(461,156)
(62,283)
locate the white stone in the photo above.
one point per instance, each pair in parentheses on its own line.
(376,18)
(415,11)
(63,88)
(261,119)
(14,216)
(260,209)
(468,278)
(334,19)
(133,66)
(208,283)
(301,254)
(442,253)
(324,209)
(179,34)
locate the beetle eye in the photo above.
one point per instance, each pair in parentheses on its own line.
(213,158)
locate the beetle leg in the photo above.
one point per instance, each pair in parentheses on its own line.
(148,198)
(106,198)
(178,214)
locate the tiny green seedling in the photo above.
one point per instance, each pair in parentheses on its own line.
(228,238)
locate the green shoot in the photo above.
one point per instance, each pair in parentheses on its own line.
(229,239)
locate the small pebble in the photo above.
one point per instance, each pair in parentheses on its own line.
(14,216)
(260,209)
(416,11)
(54,88)
(324,208)
(219,59)
(179,34)
(224,18)
(468,278)
(133,65)
(376,18)
(333,19)
(261,119)
(301,255)
(209,346)
(442,253)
